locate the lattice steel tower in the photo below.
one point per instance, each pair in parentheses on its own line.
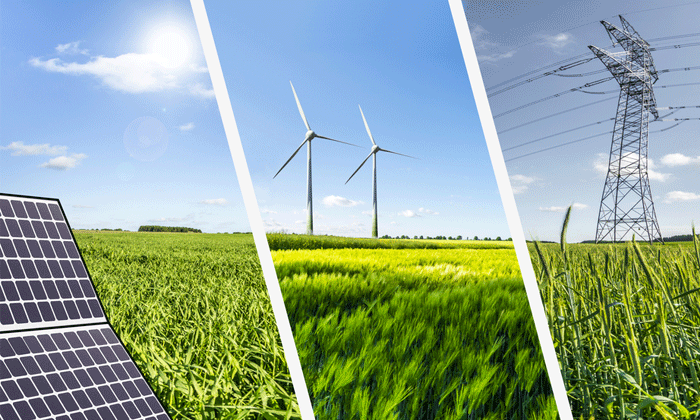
(626,206)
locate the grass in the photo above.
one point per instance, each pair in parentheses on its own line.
(625,320)
(413,329)
(194,313)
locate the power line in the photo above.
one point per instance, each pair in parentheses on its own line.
(593,136)
(574,62)
(557,134)
(597,82)
(596,123)
(557,146)
(549,73)
(554,115)
(556,95)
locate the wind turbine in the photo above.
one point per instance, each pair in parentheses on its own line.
(310,135)
(373,154)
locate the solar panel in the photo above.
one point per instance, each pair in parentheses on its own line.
(59,358)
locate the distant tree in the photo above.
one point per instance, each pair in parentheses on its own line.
(498,238)
(386,237)
(459,237)
(476,238)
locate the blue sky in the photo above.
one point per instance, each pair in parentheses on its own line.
(109,108)
(517,37)
(404,67)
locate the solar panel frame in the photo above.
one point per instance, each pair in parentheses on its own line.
(24,236)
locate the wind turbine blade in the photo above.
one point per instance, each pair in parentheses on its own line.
(301,111)
(292,157)
(367,126)
(389,151)
(328,138)
(358,168)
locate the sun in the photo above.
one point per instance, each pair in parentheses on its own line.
(171,44)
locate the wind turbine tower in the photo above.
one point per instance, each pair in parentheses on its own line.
(373,154)
(310,135)
(626,205)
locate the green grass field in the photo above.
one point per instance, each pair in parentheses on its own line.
(413,329)
(194,313)
(625,320)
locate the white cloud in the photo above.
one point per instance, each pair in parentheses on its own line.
(186,127)
(71,48)
(215,201)
(555,209)
(130,72)
(409,213)
(678,159)
(556,42)
(271,223)
(336,201)
(18,148)
(62,163)
(267,211)
(560,209)
(601,166)
(520,183)
(522,179)
(189,218)
(427,211)
(681,196)
(483,44)
(199,90)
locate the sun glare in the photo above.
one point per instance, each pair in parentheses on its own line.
(171,44)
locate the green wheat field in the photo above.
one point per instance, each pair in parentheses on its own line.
(410,329)
(194,313)
(625,320)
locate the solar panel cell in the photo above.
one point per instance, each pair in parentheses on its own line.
(33,312)
(6,208)
(18,207)
(13,228)
(44,211)
(7,412)
(7,249)
(55,212)
(39,229)
(26,227)
(24,410)
(32,212)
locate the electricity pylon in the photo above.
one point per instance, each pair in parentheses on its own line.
(626,206)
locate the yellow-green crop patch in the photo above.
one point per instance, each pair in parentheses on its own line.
(194,312)
(410,333)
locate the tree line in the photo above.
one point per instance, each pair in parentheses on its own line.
(151,228)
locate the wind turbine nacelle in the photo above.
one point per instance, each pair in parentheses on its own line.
(310,134)
(375,148)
